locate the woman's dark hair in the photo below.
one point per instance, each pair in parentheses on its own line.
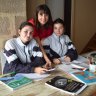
(23,24)
(59,21)
(46,10)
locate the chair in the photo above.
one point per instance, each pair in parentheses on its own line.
(3,61)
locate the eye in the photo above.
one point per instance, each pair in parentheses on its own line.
(31,32)
(41,14)
(45,14)
(55,28)
(25,31)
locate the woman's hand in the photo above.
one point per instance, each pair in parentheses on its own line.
(48,62)
(67,59)
(40,70)
(56,61)
(48,65)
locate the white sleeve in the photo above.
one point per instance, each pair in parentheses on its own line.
(46,41)
(10,55)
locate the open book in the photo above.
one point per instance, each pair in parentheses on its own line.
(86,77)
(66,85)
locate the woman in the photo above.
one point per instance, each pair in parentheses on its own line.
(22,53)
(42,27)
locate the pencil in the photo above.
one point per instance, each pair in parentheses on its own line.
(12,73)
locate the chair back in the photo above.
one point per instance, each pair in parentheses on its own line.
(3,61)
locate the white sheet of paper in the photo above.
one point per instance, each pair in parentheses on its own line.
(34,76)
(81,59)
(67,68)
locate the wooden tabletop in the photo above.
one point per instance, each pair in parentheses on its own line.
(38,88)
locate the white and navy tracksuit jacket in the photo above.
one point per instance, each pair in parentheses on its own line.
(60,46)
(22,57)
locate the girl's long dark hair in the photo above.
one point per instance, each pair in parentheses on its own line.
(46,10)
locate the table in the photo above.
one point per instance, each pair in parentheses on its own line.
(38,88)
(88,53)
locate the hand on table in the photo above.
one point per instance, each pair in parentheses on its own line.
(67,59)
(40,70)
(56,61)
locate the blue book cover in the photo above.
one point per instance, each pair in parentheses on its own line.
(14,82)
(86,77)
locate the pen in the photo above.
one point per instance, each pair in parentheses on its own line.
(12,73)
(79,68)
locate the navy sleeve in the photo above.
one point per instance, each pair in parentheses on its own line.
(13,63)
(72,52)
(18,67)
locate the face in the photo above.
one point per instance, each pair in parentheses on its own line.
(26,33)
(42,17)
(58,29)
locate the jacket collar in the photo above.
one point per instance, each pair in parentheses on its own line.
(57,37)
(20,42)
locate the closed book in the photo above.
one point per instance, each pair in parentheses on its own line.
(86,77)
(66,85)
(14,82)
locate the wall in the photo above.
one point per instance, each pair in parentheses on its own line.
(12,13)
(31,7)
(57,10)
(83,22)
(52,4)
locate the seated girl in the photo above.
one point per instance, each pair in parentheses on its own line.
(22,53)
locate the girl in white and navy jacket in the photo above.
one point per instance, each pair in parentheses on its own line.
(59,46)
(22,53)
